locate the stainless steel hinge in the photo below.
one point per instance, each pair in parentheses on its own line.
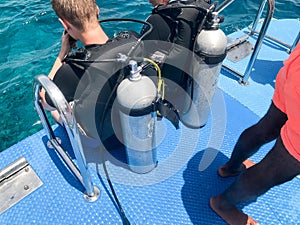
(17,180)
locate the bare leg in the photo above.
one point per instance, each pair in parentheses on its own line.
(276,168)
(55,115)
(230,213)
(266,130)
(225,171)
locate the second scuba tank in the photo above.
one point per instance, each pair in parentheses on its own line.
(210,50)
(135,96)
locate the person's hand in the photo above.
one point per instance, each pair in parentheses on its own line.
(67,44)
(72,41)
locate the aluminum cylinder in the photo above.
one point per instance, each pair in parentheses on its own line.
(210,49)
(135,99)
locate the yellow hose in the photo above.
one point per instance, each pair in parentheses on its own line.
(160,84)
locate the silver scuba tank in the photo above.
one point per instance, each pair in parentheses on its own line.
(210,49)
(136,96)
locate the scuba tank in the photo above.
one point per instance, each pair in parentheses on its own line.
(135,97)
(210,49)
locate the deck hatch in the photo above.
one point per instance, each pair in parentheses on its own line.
(17,180)
(239,48)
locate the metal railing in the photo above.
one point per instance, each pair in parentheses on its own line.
(271,6)
(295,43)
(65,111)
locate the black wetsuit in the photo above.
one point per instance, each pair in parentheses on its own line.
(68,75)
(277,167)
(90,76)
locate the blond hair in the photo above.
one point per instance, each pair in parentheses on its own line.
(80,13)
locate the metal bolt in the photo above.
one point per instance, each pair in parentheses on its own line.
(26,187)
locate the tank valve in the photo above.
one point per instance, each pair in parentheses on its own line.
(216,20)
(135,70)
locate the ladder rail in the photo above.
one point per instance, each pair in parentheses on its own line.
(65,111)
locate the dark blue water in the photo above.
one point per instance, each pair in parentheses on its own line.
(30,40)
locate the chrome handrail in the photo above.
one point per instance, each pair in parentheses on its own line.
(66,113)
(224,5)
(295,42)
(258,16)
(271,6)
(263,30)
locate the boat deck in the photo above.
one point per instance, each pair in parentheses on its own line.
(177,191)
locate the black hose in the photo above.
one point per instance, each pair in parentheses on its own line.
(122,213)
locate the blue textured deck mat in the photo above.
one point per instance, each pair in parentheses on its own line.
(176,192)
(257,95)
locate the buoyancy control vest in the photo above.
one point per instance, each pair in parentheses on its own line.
(184,19)
(175,27)
(102,72)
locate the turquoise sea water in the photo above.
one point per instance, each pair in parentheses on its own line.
(30,40)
